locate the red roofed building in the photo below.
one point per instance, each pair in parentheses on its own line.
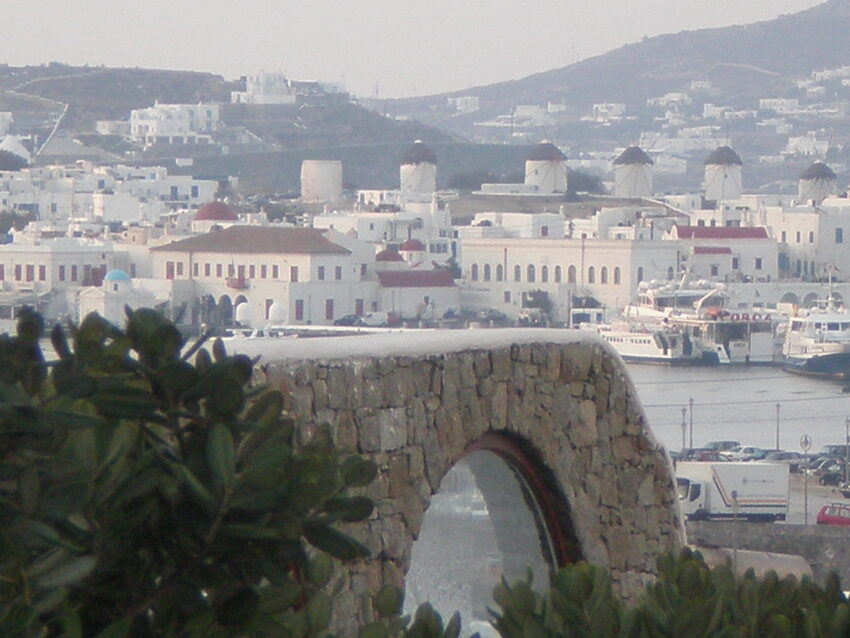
(728,253)
(420,294)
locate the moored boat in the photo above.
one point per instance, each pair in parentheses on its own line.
(817,343)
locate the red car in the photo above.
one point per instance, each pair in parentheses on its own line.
(834,514)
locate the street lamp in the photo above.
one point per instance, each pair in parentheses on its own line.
(691,404)
(846,448)
(777,426)
(684,428)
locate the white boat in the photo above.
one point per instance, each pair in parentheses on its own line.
(817,343)
(643,345)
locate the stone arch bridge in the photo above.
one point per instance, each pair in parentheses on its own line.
(559,404)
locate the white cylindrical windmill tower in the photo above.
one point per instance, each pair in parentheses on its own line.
(723,178)
(418,170)
(546,168)
(816,184)
(321,180)
(633,174)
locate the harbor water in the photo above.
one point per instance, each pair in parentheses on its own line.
(739,403)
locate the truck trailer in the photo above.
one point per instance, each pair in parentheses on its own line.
(753,490)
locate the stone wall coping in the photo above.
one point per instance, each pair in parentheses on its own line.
(408,343)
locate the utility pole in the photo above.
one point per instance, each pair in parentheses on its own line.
(691,404)
(684,428)
(846,449)
(777,426)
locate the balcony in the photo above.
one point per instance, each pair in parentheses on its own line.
(237,283)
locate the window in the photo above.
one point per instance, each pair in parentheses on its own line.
(784,237)
(17,272)
(269,304)
(207,270)
(473,272)
(517,273)
(132,270)
(736,263)
(603,275)
(73,273)
(591,275)
(544,231)
(252,271)
(264,271)
(358,307)
(640,274)
(169,270)
(557,274)
(194,191)
(758,263)
(617,275)
(811,237)
(321,273)
(218,270)
(231,270)
(530,274)
(276,272)
(486,272)
(338,272)
(61,273)
(299,310)
(544,274)
(30,272)
(179,268)
(839,235)
(507,296)
(798,236)
(571,275)
(196,269)
(714,269)
(362,270)
(329,309)
(500,272)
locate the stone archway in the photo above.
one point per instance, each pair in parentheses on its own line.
(790,297)
(416,406)
(811,300)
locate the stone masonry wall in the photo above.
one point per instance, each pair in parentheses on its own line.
(416,415)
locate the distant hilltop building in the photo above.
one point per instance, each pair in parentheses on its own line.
(265,88)
(633,174)
(174,124)
(723,179)
(816,184)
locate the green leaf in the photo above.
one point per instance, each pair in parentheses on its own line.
(358,472)
(374,630)
(319,611)
(219,351)
(334,542)
(253,532)
(348,509)
(29,488)
(69,573)
(320,570)
(238,609)
(17,619)
(196,488)
(453,626)
(389,601)
(221,455)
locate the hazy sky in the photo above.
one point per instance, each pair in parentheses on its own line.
(408,48)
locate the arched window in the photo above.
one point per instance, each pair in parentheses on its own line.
(616,275)
(544,274)
(669,273)
(571,275)
(500,273)
(517,273)
(530,274)
(591,275)
(473,274)
(486,272)
(603,275)
(640,274)
(557,274)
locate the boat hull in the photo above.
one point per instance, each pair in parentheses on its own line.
(834,365)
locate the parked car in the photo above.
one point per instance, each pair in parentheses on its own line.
(721,446)
(793,460)
(832,474)
(742,452)
(349,320)
(834,514)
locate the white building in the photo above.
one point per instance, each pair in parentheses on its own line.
(174,124)
(110,299)
(817,183)
(418,169)
(321,180)
(723,179)
(753,254)
(633,174)
(779,105)
(265,88)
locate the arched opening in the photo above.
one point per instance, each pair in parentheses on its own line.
(790,297)
(500,272)
(616,275)
(517,273)
(591,275)
(544,274)
(640,274)
(603,275)
(495,515)
(571,275)
(241,311)
(225,311)
(531,275)
(557,274)
(810,300)
(486,272)
(837,298)
(473,273)
(669,273)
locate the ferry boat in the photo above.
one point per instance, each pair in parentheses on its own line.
(817,343)
(643,345)
(701,310)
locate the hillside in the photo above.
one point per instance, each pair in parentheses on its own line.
(741,62)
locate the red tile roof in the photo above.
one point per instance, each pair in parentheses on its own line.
(721,232)
(258,239)
(712,250)
(416,279)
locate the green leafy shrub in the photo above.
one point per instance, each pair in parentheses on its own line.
(145,495)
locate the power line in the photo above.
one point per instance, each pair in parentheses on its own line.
(756,402)
(788,421)
(717,380)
